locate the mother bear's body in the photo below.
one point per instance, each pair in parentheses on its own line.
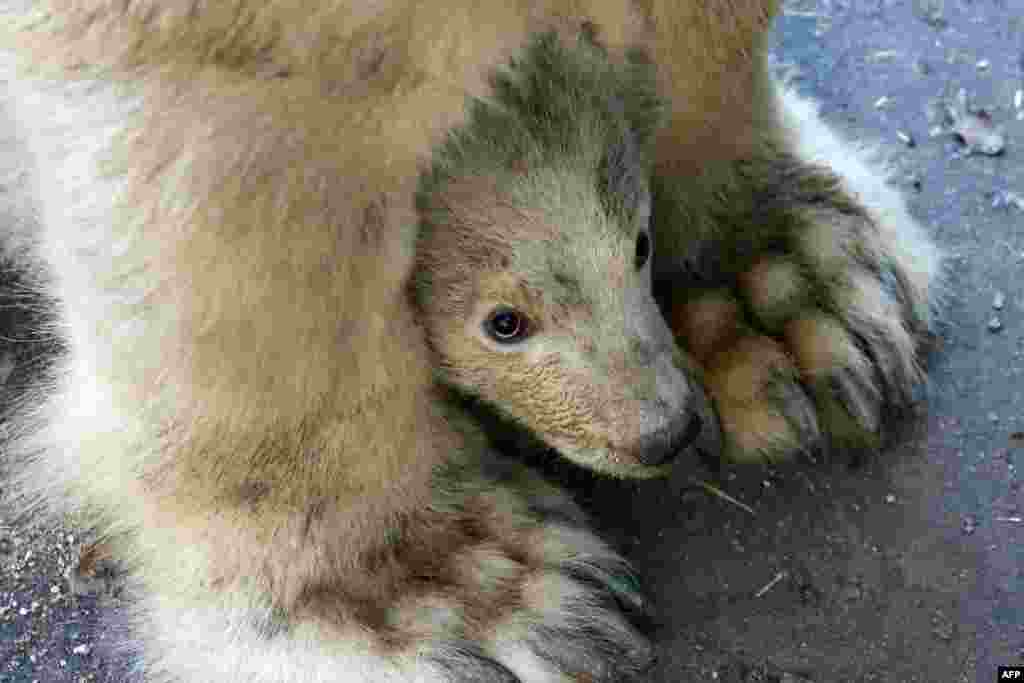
(248,408)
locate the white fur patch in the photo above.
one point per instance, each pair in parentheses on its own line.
(67,129)
(217,644)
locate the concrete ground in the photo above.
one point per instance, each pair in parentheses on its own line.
(905,569)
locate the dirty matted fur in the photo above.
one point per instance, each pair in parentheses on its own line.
(279,235)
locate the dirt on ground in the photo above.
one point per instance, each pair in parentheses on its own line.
(903,568)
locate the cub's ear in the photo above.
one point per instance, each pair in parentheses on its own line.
(643,109)
(548,84)
(636,87)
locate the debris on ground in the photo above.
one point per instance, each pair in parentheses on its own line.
(1007,199)
(974,128)
(930,12)
(906,138)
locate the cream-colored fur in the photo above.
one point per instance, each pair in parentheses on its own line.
(249,408)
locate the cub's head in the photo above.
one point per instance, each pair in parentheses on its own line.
(534,265)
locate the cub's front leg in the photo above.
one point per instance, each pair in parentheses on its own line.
(784,263)
(801,283)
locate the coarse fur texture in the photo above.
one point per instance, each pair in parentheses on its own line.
(277,235)
(539,207)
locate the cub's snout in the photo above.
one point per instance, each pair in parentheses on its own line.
(663,446)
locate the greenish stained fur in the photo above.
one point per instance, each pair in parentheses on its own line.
(566,133)
(560,107)
(746,208)
(737,214)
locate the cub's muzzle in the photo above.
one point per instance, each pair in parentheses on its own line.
(662,447)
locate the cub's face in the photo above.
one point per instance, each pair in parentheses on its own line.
(535,287)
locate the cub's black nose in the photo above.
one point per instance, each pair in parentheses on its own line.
(662,447)
(691,432)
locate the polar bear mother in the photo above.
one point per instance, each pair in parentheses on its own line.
(249,408)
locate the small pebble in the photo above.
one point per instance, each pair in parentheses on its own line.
(995,324)
(992,417)
(969,524)
(81,649)
(889,498)
(882,102)
(1018,99)
(905,138)
(998,301)
(983,64)
(974,127)
(930,12)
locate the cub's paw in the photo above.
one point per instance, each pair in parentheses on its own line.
(815,343)
(532,596)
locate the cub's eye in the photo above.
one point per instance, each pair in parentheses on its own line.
(506,326)
(643,249)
